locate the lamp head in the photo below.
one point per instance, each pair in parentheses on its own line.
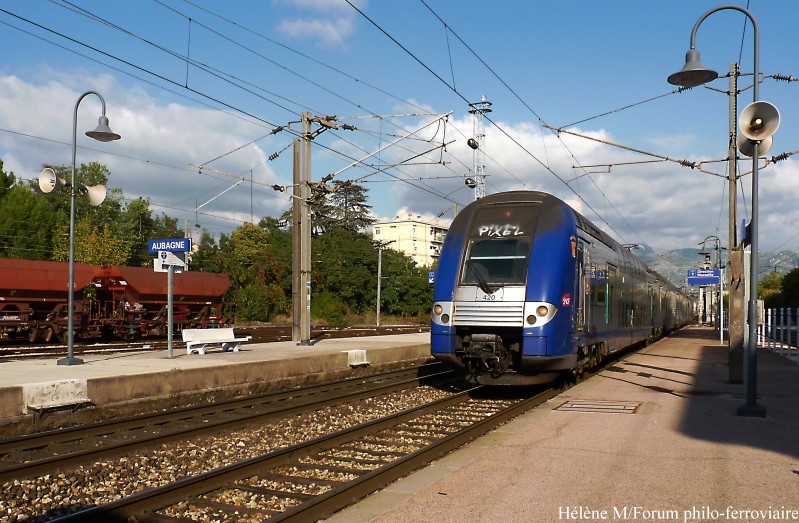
(693,72)
(470,183)
(103,133)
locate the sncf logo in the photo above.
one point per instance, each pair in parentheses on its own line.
(567,300)
(499,230)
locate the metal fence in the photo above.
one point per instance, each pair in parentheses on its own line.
(778,332)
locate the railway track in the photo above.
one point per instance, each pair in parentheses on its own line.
(46,452)
(312,479)
(294,454)
(260,334)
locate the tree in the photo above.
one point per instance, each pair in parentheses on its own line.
(769,289)
(405,290)
(251,263)
(93,245)
(87,175)
(347,270)
(347,204)
(207,256)
(342,208)
(134,225)
(7,180)
(790,289)
(97,236)
(26,224)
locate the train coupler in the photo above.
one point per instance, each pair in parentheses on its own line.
(485,352)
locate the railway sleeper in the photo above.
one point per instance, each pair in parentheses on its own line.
(273,493)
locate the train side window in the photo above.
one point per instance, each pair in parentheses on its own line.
(601,294)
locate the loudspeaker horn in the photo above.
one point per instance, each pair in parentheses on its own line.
(759,120)
(747,146)
(96,194)
(48,181)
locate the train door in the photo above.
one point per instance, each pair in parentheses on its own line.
(581,284)
(611,312)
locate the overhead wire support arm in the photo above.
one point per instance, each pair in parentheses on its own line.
(684,163)
(218,195)
(361,161)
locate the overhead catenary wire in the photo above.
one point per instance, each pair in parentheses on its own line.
(496,126)
(158,76)
(453,86)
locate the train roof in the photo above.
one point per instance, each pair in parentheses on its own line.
(528,197)
(583,223)
(146,281)
(41,276)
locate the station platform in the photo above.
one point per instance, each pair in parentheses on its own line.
(37,393)
(653,438)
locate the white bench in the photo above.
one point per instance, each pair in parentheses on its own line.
(197,339)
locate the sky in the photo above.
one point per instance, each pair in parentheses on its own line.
(208,98)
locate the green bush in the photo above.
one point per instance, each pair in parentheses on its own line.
(329,307)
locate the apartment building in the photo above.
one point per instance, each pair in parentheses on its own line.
(420,240)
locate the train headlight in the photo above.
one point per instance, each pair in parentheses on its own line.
(442,313)
(542,310)
(538,314)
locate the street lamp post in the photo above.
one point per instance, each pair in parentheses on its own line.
(380,246)
(103,134)
(692,75)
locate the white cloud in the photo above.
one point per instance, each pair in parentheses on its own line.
(152,159)
(328,22)
(636,200)
(333,31)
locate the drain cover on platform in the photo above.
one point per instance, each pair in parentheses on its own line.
(612,407)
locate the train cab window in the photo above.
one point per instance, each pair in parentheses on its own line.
(496,261)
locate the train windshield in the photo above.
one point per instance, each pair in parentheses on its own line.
(492,262)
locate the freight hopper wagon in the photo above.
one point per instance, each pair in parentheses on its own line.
(33,300)
(134,301)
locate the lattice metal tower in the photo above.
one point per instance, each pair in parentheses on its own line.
(479,110)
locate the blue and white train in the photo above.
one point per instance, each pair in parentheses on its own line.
(528,290)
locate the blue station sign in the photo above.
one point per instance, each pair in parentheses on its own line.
(170,245)
(704,276)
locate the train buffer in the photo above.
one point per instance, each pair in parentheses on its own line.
(198,339)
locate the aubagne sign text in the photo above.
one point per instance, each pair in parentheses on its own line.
(171,245)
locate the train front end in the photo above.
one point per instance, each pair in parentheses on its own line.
(502,311)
